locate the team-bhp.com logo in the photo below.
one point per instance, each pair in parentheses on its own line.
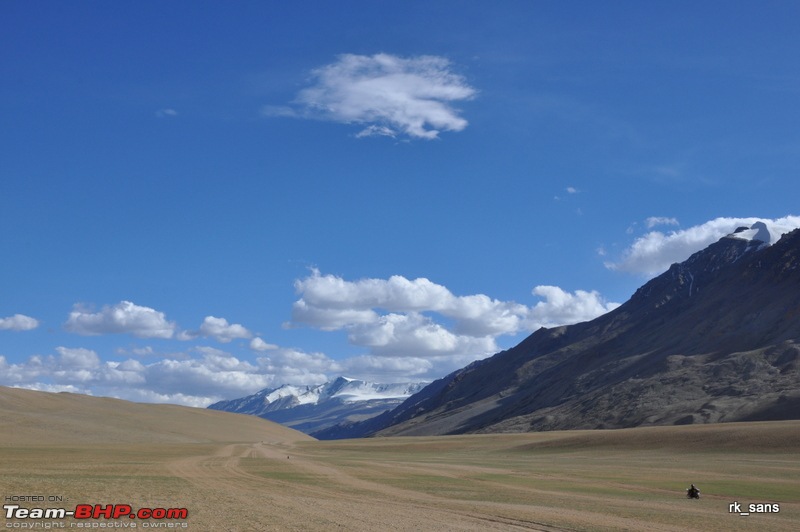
(95,511)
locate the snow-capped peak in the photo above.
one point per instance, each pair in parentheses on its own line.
(757,232)
(343,389)
(309,408)
(302,394)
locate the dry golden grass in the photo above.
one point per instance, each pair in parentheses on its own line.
(28,416)
(232,472)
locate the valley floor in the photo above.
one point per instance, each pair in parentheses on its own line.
(603,480)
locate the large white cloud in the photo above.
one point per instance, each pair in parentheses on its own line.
(330,319)
(18,322)
(413,333)
(145,322)
(562,308)
(298,367)
(654,252)
(404,329)
(124,317)
(72,369)
(389,95)
(214,373)
(396,316)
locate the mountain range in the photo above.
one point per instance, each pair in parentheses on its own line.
(715,338)
(312,408)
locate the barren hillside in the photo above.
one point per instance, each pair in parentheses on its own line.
(28,416)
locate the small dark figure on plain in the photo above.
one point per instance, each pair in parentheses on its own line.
(693,493)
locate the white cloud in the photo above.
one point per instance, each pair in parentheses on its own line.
(399,317)
(654,252)
(258,344)
(562,308)
(407,329)
(197,379)
(223,331)
(572,190)
(660,220)
(329,302)
(395,294)
(18,322)
(388,94)
(214,374)
(403,334)
(298,367)
(124,317)
(145,351)
(378,368)
(376,131)
(165,113)
(77,358)
(404,369)
(329,319)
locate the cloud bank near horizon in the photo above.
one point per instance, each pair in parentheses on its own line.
(406,330)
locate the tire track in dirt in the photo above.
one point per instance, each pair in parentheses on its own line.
(236,487)
(232,492)
(521,516)
(340,500)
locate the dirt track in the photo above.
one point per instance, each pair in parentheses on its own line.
(243,500)
(236,489)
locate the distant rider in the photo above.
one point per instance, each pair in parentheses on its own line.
(693,492)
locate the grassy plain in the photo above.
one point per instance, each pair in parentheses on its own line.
(260,476)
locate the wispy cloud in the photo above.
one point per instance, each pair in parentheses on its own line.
(655,251)
(660,220)
(387,94)
(571,191)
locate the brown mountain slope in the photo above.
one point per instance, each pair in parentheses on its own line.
(32,417)
(715,338)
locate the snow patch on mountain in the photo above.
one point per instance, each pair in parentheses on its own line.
(317,407)
(344,390)
(758,232)
(341,390)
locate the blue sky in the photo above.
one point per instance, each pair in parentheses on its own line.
(203,199)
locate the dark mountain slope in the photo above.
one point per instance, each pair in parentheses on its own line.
(715,338)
